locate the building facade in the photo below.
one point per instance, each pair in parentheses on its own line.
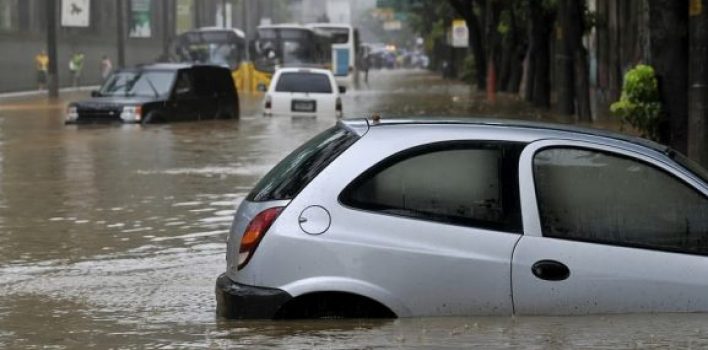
(148,26)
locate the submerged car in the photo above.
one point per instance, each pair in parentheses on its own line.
(405,218)
(160,93)
(303,92)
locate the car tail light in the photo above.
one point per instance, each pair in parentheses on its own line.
(338,107)
(254,233)
(268,104)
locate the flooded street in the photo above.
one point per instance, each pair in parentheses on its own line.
(113,236)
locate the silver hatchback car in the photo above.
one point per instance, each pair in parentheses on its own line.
(403,218)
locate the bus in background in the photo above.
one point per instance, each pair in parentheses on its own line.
(344,40)
(275,46)
(213,45)
(288,45)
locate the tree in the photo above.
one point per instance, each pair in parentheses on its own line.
(669,57)
(541,22)
(698,86)
(571,60)
(470,10)
(513,46)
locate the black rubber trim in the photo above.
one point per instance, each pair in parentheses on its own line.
(240,301)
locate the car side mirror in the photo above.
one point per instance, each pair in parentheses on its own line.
(342,89)
(95,93)
(261,87)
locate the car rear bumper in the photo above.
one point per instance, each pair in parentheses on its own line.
(240,301)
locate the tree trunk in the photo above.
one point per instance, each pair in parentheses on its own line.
(669,53)
(698,86)
(565,85)
(576,28)
(465,8)
(539,50)
(515,55)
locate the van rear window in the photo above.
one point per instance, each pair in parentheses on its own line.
(294,172)
(304,82)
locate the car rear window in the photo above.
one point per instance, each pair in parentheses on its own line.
(304,82)
(294,172)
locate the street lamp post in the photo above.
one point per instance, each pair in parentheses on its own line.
(246,28)
(120,27)
(166,31)
(223,13)
(52,76)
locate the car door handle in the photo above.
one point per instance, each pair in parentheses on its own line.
(550,270)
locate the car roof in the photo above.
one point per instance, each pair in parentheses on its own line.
(533,129)
(284,26)
(236,31)
(304,70)
(329,25)
(169,67)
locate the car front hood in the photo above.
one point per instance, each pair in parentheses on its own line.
(106,102)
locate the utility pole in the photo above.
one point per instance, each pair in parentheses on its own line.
(166,32)
(246,28)
(223,13)
(698,83)
(120,27)
(53,78)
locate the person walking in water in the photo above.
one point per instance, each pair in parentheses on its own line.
(41,62)
(106,67)
(76,65)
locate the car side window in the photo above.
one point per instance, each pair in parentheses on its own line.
(594,196)
(183,86)
(204,82)
(472,184)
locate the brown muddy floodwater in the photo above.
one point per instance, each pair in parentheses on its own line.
(113,236)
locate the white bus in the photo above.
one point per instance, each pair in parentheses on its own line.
(345,50)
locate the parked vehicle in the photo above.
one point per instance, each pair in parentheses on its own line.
(346,50)
(431,218)
(160,93)
(303,92)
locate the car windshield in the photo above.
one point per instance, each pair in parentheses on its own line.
(294,172)
(304,82)
(142,83)
(337,35)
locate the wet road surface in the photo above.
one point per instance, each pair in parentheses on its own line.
(113,236)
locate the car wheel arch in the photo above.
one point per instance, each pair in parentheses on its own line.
(351,286)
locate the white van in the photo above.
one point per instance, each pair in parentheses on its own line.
(303,92)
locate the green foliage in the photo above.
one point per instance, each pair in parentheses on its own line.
(640,104)
(469,69)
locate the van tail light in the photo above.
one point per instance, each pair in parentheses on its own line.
(254,233)
(268,104)
(338,107)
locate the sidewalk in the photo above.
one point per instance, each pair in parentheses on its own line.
(39,93)
(37,100)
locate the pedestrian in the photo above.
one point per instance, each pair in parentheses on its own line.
(42,65)
(365,67)
(106,67)
(76,65)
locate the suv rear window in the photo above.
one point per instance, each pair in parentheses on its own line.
(294,172)
(304,82)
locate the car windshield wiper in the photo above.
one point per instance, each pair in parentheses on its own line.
(114,90)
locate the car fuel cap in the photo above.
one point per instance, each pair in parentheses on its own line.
(314,220)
